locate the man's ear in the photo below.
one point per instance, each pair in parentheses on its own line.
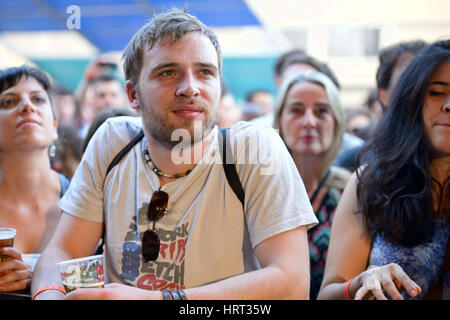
(132,95)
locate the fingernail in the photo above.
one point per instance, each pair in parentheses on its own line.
(413,293)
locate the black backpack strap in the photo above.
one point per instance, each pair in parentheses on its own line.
(234,182)
(124,151)
(114,162)
(228,164)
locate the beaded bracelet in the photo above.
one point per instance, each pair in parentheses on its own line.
(182,294)
(174,295)
(166,295)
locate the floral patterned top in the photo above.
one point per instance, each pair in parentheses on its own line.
(422,263)
(319,237)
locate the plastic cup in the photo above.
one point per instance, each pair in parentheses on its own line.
(7,236)
(84,272)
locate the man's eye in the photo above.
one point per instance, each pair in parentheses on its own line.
(206,72)
(167,73)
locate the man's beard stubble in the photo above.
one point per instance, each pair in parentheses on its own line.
(159,128)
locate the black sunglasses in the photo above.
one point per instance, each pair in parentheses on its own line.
(157,208)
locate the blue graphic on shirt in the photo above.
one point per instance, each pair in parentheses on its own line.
(131,260)
(131,256)
(167,272)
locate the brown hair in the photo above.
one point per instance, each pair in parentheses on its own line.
(174,24)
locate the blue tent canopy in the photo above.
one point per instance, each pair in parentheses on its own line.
(110,24)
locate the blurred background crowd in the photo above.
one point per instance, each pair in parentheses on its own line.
(78,43)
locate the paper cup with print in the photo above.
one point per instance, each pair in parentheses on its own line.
(84,272)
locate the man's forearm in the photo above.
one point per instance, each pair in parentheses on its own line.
(269,283)
(46,272)
(265,284)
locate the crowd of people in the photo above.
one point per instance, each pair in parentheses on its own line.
(325,202)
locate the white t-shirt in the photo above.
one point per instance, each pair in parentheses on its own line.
(203,238)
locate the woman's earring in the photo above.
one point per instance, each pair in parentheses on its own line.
(52,150)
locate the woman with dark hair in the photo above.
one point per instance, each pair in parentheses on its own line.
(29,188)
(389,238)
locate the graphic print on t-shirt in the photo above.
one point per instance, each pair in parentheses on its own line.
(167,272)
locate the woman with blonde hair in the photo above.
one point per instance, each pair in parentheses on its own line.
(311,122)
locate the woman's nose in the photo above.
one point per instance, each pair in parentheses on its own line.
(26,105)
(446,106)
(309,119)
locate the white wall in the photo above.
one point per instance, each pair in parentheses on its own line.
(397,20)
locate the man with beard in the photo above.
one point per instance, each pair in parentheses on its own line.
(171,222)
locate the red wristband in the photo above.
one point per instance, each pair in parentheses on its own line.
(347,290)
(59,288)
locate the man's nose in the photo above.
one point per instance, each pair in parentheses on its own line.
(188,86)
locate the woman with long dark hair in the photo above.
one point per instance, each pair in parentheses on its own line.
(389,238)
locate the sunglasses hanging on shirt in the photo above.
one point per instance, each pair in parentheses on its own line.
(157,208)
